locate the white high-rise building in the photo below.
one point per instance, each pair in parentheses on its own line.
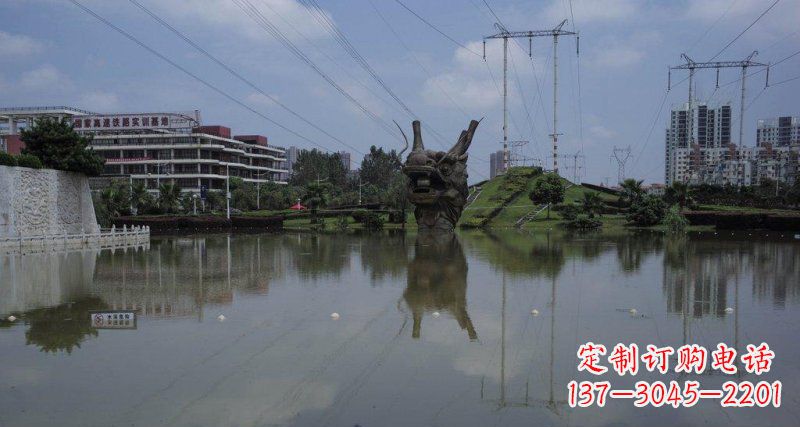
(685,149)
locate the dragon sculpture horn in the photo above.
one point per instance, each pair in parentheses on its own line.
(404,137)
(417,136)
(464,140)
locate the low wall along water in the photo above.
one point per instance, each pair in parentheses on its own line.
(44,202)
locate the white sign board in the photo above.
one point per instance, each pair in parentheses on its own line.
(117,319)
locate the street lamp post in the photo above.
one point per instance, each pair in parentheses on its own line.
(194,202)
(228,191)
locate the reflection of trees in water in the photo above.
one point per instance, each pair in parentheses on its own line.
(699,271)
(538,254)
(776,272)
(319,255)
(633,248)
(437,281)
(63,327)
(383,254)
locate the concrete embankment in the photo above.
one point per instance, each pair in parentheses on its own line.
(745,220)
(169,224)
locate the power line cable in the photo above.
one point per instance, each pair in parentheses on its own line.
(436,29)
(192,75)
(238,75)
(264,23)
(745,30)
(416,59)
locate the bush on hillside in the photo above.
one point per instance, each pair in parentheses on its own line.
(29,161)
(7,159)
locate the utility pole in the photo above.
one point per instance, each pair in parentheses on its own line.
(692,66)
(505,35)
(621,155)
(228,191)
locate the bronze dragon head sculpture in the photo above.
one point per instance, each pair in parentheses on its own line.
(437,180)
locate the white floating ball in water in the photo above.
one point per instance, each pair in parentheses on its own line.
(335,316)
(633,311)
(436,314)
(535,312)
(11,318)
(729,310)
(221,318)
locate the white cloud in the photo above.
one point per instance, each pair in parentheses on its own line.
(589,11)
(43,77)
(288,15)
(468,82)
(18,45)
(783,17)
(615,52)
(602,132)
(100,101)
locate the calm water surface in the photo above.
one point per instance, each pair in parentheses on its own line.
(279,359)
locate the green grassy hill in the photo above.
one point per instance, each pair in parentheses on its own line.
(504,200)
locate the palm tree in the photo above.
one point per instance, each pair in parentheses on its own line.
(169,198)
(316,197)
(592,204)
(678,193)
(141,200)
(631,190)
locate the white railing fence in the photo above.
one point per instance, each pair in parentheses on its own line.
(105,238)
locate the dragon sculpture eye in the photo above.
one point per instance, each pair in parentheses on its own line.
(445,169)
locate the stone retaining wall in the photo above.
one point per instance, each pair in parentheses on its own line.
(44,202)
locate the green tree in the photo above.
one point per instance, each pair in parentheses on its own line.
(316,197)
(674,221)
(647,211)
(169,196)
(243,194)
(379,167)
(592,204)
(315,165)
(396,196)
(547,189)
(114,200)
(631,191)
(678,193)
(58,146)
(141,200)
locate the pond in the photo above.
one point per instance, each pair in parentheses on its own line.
(480,329)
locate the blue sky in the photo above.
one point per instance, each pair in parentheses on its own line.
(52,53)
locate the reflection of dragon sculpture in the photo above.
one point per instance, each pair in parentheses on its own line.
(438,181)
(437,281)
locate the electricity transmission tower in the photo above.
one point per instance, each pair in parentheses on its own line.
(621,155)
(577,166)
(517,156)
(505,35)
(692,66)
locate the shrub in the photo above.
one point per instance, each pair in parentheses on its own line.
(674,220)
(568,211)
(373,222)
(342,224)
(359,215)
(7,159)
(647,211)
(583,223)
(29,161)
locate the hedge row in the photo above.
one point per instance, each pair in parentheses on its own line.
(161,224)
(744,220)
